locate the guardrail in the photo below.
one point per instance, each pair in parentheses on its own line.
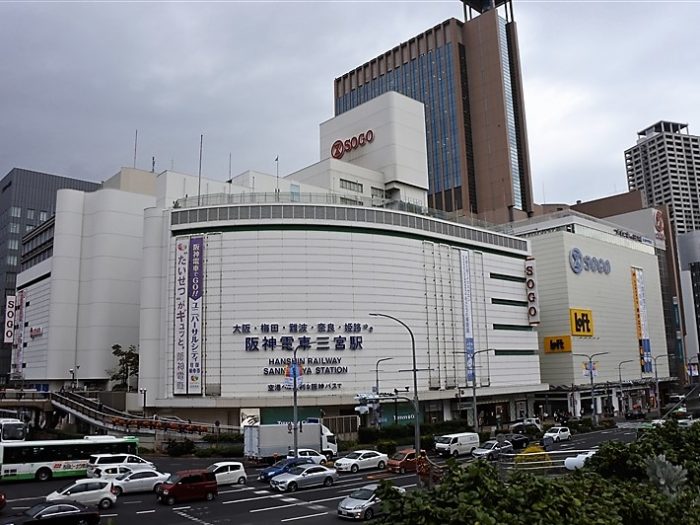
(544,462)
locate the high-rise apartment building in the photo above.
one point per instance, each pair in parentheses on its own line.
(27,200)
(467,74)
(665,166)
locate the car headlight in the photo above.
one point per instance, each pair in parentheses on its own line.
(165,492)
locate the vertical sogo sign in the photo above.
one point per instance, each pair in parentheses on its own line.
(187,315)
(9,319)
(19,333)
(641,314)
(533,302)
(467,315)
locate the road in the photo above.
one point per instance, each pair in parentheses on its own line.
(255,503)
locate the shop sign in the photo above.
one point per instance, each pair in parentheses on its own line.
(9,319)
(340,147)
(585,263)
(581,322)
(557,344)
(533,303)
(37,331)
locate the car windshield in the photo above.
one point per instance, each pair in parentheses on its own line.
(122,477)
(297,470)
(31,511)
(363,494)
(352,455)
(443,439)
(66,487)
(399,456)
(173,479)
(211,468)
(489,444)
(554,430)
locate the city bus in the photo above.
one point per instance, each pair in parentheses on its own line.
(43,460)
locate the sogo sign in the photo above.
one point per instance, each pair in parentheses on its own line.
(533,303)
(340,148)
(10,319)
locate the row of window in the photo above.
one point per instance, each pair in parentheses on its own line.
(16,211)
(350,185)
(14,227)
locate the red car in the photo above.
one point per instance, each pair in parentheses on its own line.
(3,500)
(188,485)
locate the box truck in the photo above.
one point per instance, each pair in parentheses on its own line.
(268,441)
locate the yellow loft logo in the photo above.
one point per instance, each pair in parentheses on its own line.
(557,344)
(581,322)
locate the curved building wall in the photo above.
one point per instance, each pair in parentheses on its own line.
(289,279)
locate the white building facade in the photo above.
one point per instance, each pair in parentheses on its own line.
(600,296)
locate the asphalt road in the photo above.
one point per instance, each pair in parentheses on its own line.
(254,503)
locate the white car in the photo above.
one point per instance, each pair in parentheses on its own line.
(316,457)
(361,459)
(578,461)
(112,472)
(139,481)
(558,434)
(98,492)
(228,472)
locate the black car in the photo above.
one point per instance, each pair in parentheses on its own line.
(55,513)
(519,441)
(634,414)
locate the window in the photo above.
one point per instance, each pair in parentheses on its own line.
(350,185)
(14,227)
(295,192)
(13,244)
(15,211)
(30,213)
(377,193)
(43,216)
(29,228)
(12,260)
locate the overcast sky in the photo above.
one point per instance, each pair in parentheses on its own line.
(256,78)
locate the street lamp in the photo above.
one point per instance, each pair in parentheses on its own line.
(590,357)
(143,392)
(294,370)
(619,375)
(474,408)
(376,386)
(416,405)
(656,382)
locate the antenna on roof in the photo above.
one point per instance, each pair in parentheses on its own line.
(153,164)
(136,141)
(199,184)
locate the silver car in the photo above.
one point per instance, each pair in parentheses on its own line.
(139,481)
(363,503)
(304,476)
(493,449)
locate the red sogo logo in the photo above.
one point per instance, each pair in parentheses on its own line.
(340,148)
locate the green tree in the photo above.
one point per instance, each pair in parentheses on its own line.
(127,365)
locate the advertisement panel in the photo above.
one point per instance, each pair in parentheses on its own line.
(180,318)
(467,315)
(18,357)
(9,319)
(533,302)
(641,316)
(557,344)
(581,322)
(194,325)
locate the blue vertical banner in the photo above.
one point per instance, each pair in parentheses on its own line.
(467,316)
(195,292)
(180,317)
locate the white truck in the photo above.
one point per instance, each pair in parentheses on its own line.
(267,441)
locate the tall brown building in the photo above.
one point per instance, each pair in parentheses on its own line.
(468,76)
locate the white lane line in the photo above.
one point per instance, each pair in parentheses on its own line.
(251,499)
(20,508)
(132,502)
(24,499)
(261,492)
(289,500)
(145,511)
(108,515)
(305,517)
(242,489)
(181,508)
(299,503)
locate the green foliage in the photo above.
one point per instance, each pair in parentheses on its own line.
(231,451)
(179,448)
(607,423)
(387,446)
(620,485)
(127,365)
(224,437)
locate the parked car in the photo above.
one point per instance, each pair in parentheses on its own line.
(315,456)
(140,481)
(634,414)
(519,441)
(361,459)
(403,461)
(525,428)
(229,472)
(188,485)
(111,472)
(493,449)
(88,492)
(55,513)
(363,503)
(304,476)
(558,434)
(3,500)
(99,461)
(281,467)
(578,461)
(456,444)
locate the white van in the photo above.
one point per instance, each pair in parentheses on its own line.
(456,444)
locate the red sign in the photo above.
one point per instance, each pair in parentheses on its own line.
(340,148)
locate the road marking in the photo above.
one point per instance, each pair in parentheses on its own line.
(108,515)
(181,508)
(298,503)
(132,502)
(242,489)
(251,499)
(261,492)
(24,499)
(20,508)
(289,500)
(304,517)
(145,511)
(193,518)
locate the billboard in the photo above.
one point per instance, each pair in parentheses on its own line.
(581,322)
(641,317)
(10,319)
(467,315)
(557,344)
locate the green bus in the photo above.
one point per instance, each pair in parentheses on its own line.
(43,460)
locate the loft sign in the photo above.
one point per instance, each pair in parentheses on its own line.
(340,147)
(533,303)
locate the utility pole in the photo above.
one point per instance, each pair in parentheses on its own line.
(594,413)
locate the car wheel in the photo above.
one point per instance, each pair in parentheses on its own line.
(82,522)
(170,500)
(118,491)
(569,438)
(491,457)
(210,496)
(369,514)
(402,470)
(241,480)
(381,465)
(455,454)
(292,487)
(156,487)
(354,469)
(328,482)
(323,462)
(43,474)
(557,440)
(105,504)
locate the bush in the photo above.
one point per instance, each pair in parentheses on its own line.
(534,456)
(179,448)
(230,451)
(607,423)
(427,442)
(484,436)
(224,437)
(387,446)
